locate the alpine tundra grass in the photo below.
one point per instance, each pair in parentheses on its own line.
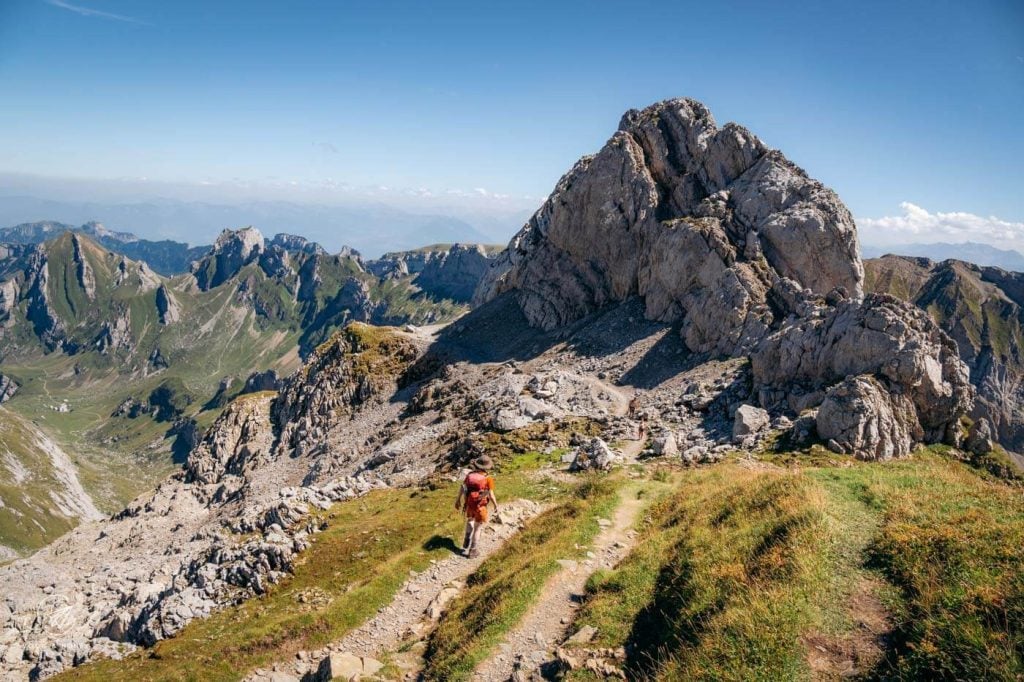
(899,570)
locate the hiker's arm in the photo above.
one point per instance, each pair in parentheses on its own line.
(458,498)
(494,500)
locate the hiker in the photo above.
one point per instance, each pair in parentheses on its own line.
(634,405)
(476,491)
(641,429)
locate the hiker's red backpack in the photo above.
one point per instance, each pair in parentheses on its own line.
(476,489)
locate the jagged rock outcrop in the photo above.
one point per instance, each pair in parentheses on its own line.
(8,387)
(9,291)
(167,306)
(296,244)
(241,437)
(713,230)
(862,417)
(46,323)
(897,344)
(86,277)
(446,271)
(354,366)
(116,334)
(981,309)
(697,220)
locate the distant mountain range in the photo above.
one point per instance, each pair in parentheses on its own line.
(372,229)
(971,252)
(165,257)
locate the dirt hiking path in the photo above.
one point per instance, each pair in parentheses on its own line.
(533,641)
(407,613)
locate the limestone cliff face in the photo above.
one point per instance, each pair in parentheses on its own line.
(700,221)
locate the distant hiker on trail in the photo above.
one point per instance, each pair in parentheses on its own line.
(476,492)
(634,405)
(641,429)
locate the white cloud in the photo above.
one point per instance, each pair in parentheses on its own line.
(917,225)
(90,12)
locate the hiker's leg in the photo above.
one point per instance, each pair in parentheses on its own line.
(477,525)
(470,534)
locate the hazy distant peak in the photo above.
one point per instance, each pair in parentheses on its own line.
(296,243)
(971,252)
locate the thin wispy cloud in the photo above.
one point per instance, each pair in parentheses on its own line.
(99,14)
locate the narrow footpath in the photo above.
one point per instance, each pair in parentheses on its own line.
(532,643)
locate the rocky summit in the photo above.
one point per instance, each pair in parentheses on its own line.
(674,365)
(727,238)
(703,223)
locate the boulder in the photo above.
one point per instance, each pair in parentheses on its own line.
(595,454)
(748,421)
(664,444)
(346,666)
(979,437)
(860,417)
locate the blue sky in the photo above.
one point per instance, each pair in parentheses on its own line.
(890,103)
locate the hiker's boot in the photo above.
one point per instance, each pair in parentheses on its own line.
(473,553)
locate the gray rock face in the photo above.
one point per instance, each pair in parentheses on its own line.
(166,306)
(45,321)
(444,271)
(8,387)
(860,417)
(699,221)
(86,277)
(9,291)
(297,244)
(116,334)
(883,337)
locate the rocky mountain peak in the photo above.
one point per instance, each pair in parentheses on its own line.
(244,242)
(675,209)
(233,250)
